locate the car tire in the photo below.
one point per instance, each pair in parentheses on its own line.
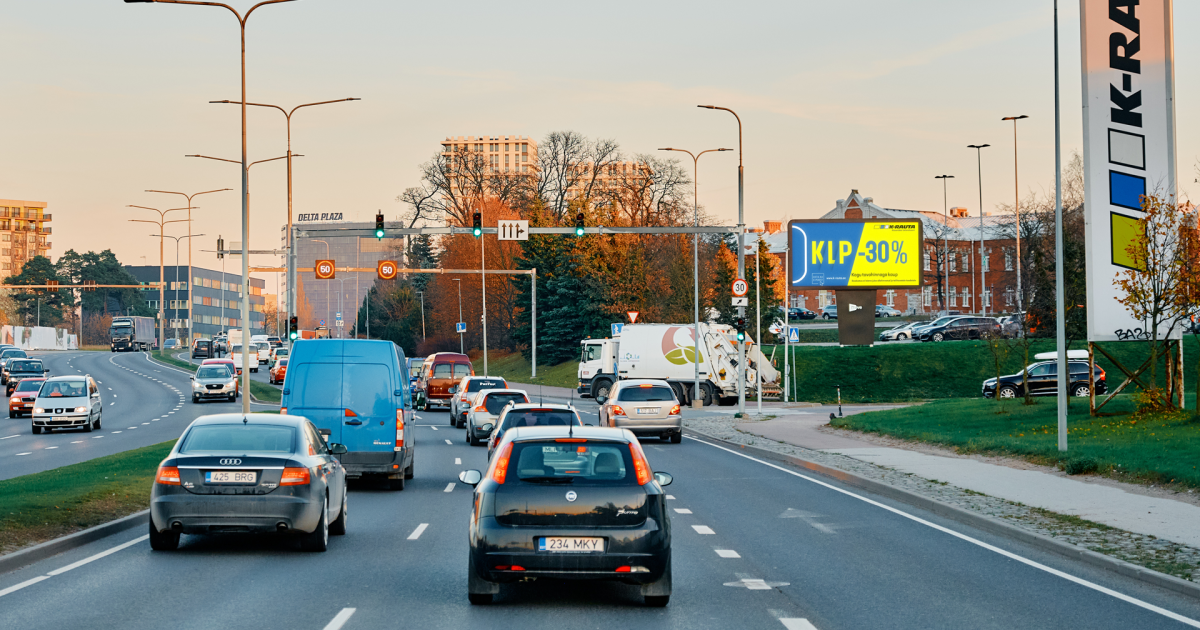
(318,539)
(87,428)
(1080,391)
(12,414)
(479,590)
(453,420)
(36,429)
(396,483)
(99,421)
(479,599)
(410,472)
(471,439)
(195,399)
(233,397)
(676,438)
(938,337)
(657,601)
(1007,391)
(163,541)
(338,526)
(901,336)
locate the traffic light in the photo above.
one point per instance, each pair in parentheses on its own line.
(477,225)
(294,328)
(220,247)
(579,224)
(379,226)
(741,329)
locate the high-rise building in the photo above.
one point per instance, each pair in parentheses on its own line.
(505,154)
(23,233)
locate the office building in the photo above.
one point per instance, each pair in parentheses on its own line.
(214,295)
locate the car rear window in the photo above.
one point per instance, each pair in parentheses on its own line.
(461,370)
(25,366)
(443,370)
(239,438)
(585,463)
(656,393)
(29,386)
(539,418)
(495,403)
(475,386)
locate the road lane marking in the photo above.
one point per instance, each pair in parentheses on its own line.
(76,565)
(340,619)
(670,497)
(449,487)
(727,553)
(9,437)
(97,437)
(796,623)
(682,511)
(77,442)
(703,529)
(458,461)
(418,531)
(434,428)
(116,431)
(449,442)
(131,428)
(946,530)
(20,454)
(17,587)
(50,448)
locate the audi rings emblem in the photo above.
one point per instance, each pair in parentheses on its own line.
(231,461)
(571,496)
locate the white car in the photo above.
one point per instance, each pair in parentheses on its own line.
(235,353)
(462,393)
(486,407)
(67,402)
(264,351)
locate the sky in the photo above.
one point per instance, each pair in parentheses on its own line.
(101,100)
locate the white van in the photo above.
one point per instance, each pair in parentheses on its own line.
(235,353)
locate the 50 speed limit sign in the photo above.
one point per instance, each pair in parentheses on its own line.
(740,287)
(387,269)
(324,269)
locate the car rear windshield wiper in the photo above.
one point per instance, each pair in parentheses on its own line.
(549,479)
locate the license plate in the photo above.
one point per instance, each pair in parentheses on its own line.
(230,476)
(571,545)
(61,419)
(649,411)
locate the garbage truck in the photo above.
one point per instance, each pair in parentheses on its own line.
(131,334)
(667,352)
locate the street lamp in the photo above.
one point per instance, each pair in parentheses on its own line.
(697,397)
(421,294)
(242,19)
(341,303)
(982,278)
(162,215)
(328,301)
(1017,205)
(176,300)
(946,243)
(741,259)
(461,349)
(291,255)
(190,277)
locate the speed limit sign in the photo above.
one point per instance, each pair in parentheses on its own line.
(387,269)
(740,287)
(324,269)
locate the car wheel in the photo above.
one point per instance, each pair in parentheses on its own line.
(471,439)
(453,420)
(12,414)
(1008,391)
(824,315)
(939,337)
(36,429)
(195,399)
(163,541)
(901,336)
(318,539)
(479,590)
(410,472)
(99,421)
(657,601)
(87,428)
(338,526)
(479,599)
(233,397)
(676,438)
(396,483)
(1080,391)
(603,387)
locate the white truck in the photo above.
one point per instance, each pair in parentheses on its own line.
(666,352)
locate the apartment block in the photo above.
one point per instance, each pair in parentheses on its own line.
(507,154)
(23,233)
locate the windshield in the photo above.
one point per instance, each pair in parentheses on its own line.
(591,352)
(281,352)
(212,372)
(479,385)
(646,393)
(29,386)
(263,346)
(25,366)
(238,438)
(414,370)
(495,403)
(553,462)
(63,389)
(539,418)
(122,330)
(14,354)
(283,362)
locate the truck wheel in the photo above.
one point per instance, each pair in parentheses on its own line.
(679,393)
(706,394)
(601,387)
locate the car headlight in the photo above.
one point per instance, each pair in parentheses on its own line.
(81,410)
(196,385)
(231,384)
(38,410)
(15,399)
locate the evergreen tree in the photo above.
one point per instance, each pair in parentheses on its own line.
(38,304)
(422,255)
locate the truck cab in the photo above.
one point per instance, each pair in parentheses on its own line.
(597,366)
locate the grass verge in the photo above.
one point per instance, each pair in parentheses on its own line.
(54,503)
(1147,449)
(159,355)
(514,367)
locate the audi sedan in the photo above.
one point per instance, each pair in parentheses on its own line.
(249,473)
(569,503)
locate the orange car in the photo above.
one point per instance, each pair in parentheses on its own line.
(279,371)
(20,402)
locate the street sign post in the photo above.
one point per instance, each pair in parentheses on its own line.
(324,269)
(460,327)
(322,322)
(793,334)
(513,230)
(740,287)
(387,269)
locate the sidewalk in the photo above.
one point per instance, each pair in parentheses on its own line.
(1102,503)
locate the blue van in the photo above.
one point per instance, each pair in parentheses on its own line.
(357,393)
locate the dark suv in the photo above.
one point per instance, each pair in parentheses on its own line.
(1043,381)
(963,328)
(18,370)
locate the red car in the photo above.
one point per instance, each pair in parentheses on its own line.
(20,402)
(279,371)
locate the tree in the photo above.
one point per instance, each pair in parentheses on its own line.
(102,268)
(38,306)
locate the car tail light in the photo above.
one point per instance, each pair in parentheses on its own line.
(481,408)
(516,567)
(283,411)
(625,569)
(617,410)
(640,466)
(570,440)
(294,477)
(399,429)
(674,411)
(168,475)
(643,386)
(500,465)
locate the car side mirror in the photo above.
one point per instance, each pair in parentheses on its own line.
(46,371)
(338,449)
(602,399)
(663,479)
(453,389)
(470,477)
(487,428)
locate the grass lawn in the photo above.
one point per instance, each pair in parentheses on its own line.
(53,503)
(514,367)
(170,360)
(1148,449)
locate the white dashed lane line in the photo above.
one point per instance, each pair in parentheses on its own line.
(50,448)
(434,428)
(682,511)
(796,623)
(418,531)
(727,553)
(670,497)
(20,454)
(9,437)
(458,461)
(449,487)
(449,442)
(77,442)
(703,529)
(74,565)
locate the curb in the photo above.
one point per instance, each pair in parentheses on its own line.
(979,521)
(50,548)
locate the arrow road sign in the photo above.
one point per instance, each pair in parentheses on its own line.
(741,301)
(513,230)
(740,287)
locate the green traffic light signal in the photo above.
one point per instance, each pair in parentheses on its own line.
(292,335)
(579,224)
(379,234)
(379,226)
(477,227)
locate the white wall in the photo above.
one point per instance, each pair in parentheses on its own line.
(38,338)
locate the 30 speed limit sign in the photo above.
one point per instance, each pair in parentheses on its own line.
(324,269)
(740,287)
(387,269)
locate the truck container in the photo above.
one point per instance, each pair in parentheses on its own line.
(667,352)
(131,334)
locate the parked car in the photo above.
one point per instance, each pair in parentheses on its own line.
(899,333)
(18,370)
(67,402)
(439,373)
(278,372)
(356,393)
(464,392)
(961,328)
(1010,326)
(883,310)
(202,349)
(21,399)
(1043,381)
(644,406)
(531,415)
(920,327)
(250,473)
(486,408)
(569,503)
(796,314)
(214,381)
(829,312)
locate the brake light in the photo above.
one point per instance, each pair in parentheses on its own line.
(641,467)
(294,477)
(644,386)
(283,411)
(500,466)
(617,410)
(399,429)
(674,411)
(516,567)
(571,440)
(625,569)
(168,475)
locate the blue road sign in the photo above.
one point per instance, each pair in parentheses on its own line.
(616,329)
(460,327)
(794,334)
(322,322)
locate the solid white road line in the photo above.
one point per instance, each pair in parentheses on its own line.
(449,442)
(20,454)
(682,511)
(449,487)
(458,461)
(76,565)
(340,619)
(796,623)
(418,531)
(727,553)
(1007,554)
(9,437)
(17,587)
(703,529)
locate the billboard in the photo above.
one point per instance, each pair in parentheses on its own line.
(1128,141)
(862,254)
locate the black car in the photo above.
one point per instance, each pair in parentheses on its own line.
(18,370)
(963,328)
(797,314)
(202,349)
(6,356)
(1043,381)
(578,503)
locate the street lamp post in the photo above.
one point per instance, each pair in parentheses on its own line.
(697,396)
(176,300)
(162,215)
(1017,206)
(945,243)
(341,303)
(190,277)
(421,294)
(461,347)
(242,19)
(328,301)
(741,259)
(982,278)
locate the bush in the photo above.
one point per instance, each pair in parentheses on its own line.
(1080,466)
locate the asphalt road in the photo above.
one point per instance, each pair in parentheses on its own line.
(756,545)
(144,403)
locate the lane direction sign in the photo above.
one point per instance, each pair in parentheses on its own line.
(513,230)
(741,301)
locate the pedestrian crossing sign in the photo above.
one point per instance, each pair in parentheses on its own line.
(793,334)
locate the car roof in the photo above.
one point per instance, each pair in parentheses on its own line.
(502,390)
(72,377)
(257,418)
(558,406)
(220,360)
(636,382)
(522,434)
